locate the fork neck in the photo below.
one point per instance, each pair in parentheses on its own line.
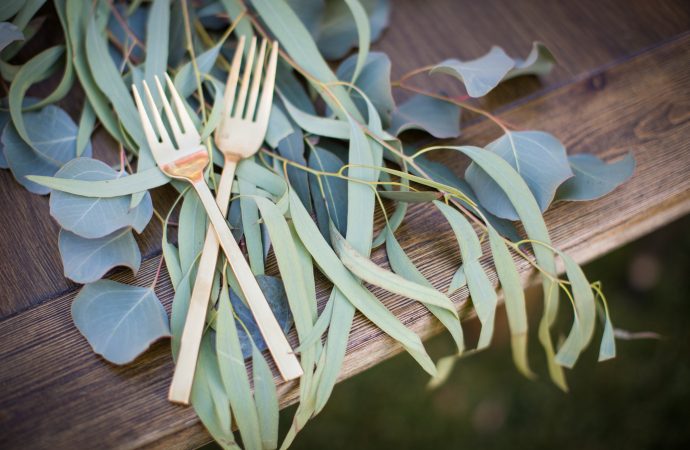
(190,167)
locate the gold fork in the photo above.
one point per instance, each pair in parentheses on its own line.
(187,161)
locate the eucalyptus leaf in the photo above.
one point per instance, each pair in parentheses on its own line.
(87,260)
(355,293)
(483,74)
(77,17)
(479,75)
(9,8)
(292,148)
(279,126)
(402,265)
(320,126)
(443,174)
(458,281)
(329,193)
(54,138)
(439,118)
(593,177)
(157,33)
(374,79)
(514,299)
(538,157)
(234,373)
(607,348)
(110,82)
(310,13)
(36,69)
(93,217)
(138,182)
(274,292)
(9,33)
(251,226)
(136,24)
(209,398)
(539,62)
(481,290)
(368,271)
(192,224)
(411,196)
(119,321)
(527,208)
(338,31)
(266,399)
(297,41)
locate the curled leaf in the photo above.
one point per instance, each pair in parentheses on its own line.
(479,75)
(483,74)
(593,177)
(439,118)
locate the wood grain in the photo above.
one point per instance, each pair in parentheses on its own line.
(57,393)
(583,35)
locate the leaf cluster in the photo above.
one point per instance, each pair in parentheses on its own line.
(338,152)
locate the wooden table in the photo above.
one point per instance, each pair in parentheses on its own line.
(622,83)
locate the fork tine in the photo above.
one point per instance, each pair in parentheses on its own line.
(267,91)
(172,120)
(151,137)
(190,130)
(233,77)
(249,62)
(256,82)
(162,132)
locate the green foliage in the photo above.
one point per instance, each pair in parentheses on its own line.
(342,167)
(527,152)
(119,321)
(439,118)
(593,177)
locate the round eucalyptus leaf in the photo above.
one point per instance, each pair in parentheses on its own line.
(119,321)
(594,178)
(95,217)
(87,260)
(54,137)
(538,157)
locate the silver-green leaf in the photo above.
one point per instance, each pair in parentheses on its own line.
(93,217)
(538,157)
(118,320)
(87,260)
(593,177)
(439,118)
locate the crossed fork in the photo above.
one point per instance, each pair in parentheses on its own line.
(239,135)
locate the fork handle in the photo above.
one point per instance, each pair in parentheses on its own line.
(283,355)
(183,377)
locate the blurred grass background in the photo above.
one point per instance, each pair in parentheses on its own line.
(640,400)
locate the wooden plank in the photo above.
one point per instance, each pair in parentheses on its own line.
(56,392)
(583,35)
